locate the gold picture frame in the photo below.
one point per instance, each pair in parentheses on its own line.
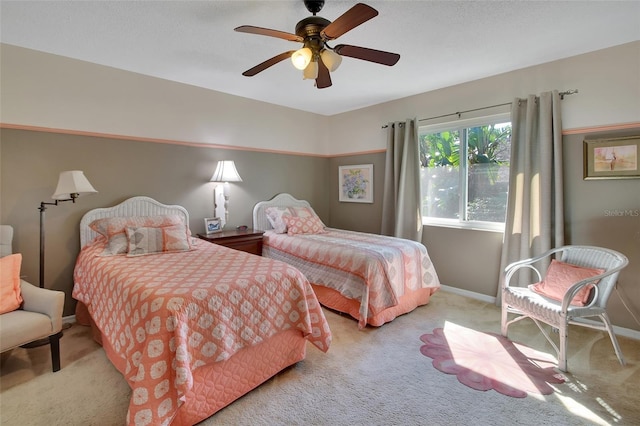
(615,158)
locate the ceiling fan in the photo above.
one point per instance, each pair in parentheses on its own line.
(316,58)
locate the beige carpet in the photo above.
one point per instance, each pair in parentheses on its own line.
(372,377)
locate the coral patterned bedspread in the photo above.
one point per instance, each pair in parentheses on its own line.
(168,314)
(376,270)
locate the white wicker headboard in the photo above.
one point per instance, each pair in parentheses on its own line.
(260,221)
(134,206)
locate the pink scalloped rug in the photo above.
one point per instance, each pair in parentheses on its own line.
(485,361)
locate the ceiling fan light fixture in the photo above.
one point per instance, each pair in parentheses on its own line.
(301,58)
(331,59)
(311,71)
(314,32)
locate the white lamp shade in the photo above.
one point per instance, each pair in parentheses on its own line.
(226,172)
(331,59)
(72,182)
(310,72)
(301,58)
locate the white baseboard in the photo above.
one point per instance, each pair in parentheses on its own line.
(467,293)
(620,331)
(69,319)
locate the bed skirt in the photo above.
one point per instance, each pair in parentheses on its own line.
(332,299)
(219,384)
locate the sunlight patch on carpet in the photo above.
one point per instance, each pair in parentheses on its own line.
(485,361)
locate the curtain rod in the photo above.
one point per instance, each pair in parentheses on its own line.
(459,113)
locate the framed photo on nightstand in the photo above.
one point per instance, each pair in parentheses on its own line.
(212,225)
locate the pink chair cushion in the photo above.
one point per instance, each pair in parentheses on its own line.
(560,276)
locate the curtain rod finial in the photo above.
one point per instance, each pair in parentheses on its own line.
(567,92)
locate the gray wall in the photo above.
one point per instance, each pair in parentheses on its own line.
(464,258)
(30,163)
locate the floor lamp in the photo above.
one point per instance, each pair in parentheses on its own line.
(71,185)
(225,172)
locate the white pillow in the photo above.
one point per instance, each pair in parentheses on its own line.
(274,216)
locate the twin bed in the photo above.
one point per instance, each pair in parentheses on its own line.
(371,277)
(193,326)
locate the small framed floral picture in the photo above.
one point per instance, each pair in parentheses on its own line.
(212,225)
(356,183)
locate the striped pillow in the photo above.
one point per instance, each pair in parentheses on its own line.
(150,240)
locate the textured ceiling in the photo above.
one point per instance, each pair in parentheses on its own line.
(441,43)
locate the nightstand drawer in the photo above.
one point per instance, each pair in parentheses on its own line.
(253,246)
(249,241)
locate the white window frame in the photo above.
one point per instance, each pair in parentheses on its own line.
(460,125)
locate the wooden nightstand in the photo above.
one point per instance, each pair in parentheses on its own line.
(247,240)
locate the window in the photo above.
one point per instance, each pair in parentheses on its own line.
(465,172)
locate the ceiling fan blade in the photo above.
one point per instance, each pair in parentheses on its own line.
(371,55)
(353,17)
(266,64)
(268,32)
(324,78)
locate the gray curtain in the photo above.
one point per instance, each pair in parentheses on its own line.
(401,214)
(535,206)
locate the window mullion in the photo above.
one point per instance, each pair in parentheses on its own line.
(464,175)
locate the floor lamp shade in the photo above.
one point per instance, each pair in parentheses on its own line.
(72,184)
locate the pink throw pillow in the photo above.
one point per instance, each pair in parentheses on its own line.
(560,276)
(304,225)
(10,297)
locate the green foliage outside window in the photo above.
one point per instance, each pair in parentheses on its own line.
(485,182)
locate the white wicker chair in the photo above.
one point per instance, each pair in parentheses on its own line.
(525,303)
